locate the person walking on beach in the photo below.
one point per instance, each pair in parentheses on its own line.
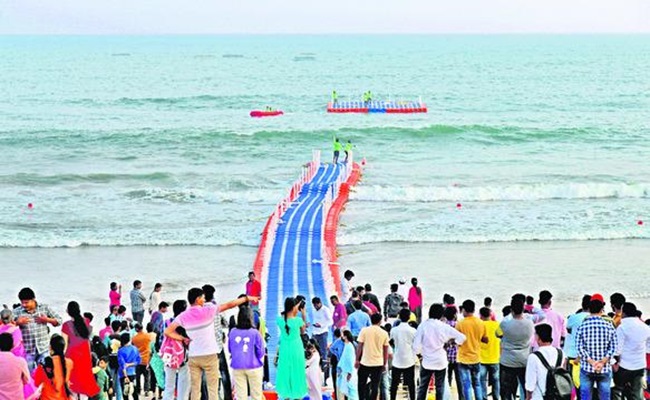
(416,299)
(553,318)
(53,374)
(469,357)
(515,348)
(490,353)
(291,380)
(198,321)
(15,374)
(76,332)
(633,338)
(597,343)
(114,296)
(347,373)
(338,146)
(246,347)
(33,319)
(7,325)
(392,303)
(137,302)
(254,289)
(372,358)
(155,298)
(430,339)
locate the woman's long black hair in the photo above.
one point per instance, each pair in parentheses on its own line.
(79,321)
(289,304)
(57,346)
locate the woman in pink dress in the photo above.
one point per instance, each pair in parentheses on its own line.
(7,326)
(77,332)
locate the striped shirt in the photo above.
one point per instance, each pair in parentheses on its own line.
(595,340)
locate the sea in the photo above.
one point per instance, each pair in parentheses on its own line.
(134,157)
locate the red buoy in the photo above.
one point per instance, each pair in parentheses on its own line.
(458,205)
(30,205)
(639,222)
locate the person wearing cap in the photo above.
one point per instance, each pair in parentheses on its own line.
(597,343)
(553,318)
(7,326)
(33,319)
(633,340)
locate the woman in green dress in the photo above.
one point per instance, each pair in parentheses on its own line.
(291,379)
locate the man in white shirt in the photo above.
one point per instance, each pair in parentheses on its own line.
(430,339)
(348,286)
(155,298)
(321,322)
(633,340)
(404,357)
(536,372)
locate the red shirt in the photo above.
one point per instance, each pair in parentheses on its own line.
(254,289)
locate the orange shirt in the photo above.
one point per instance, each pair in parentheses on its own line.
(54,389)
(142,341)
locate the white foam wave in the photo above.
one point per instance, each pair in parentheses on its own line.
(352,239)
(523,192)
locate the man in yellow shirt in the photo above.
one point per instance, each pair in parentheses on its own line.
(490,354)
(372,358)
(469,353)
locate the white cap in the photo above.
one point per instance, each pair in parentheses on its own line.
(402,280)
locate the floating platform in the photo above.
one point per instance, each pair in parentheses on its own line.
(297,252)
(386,107)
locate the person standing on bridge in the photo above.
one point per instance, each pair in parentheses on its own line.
(338,146)
(347,149)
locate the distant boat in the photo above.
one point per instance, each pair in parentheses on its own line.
(233,56)
(304,58)
(265,113)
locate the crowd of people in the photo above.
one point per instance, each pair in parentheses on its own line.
(360,347)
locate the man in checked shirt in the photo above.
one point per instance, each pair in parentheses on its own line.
(597,343)
(33,319)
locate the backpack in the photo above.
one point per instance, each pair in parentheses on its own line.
(558,380)
(172,352)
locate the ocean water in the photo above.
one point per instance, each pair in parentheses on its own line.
(123,141)
(530,170)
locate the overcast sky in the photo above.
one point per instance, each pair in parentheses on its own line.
(325,16)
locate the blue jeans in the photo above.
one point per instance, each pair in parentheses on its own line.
(469,378)
(603,383)
(491,371)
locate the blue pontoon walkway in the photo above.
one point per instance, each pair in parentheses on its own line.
(296,263)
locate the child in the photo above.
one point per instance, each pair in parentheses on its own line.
(314,373)
(101,377)
(128,357)
(528,308)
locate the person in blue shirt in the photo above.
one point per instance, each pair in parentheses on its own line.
(128,357)
(335,351)
(358,319)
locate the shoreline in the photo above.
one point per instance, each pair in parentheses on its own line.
(568,269)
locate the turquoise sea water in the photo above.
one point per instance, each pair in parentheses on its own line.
(147,140)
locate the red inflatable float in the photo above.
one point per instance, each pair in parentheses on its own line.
(260,113)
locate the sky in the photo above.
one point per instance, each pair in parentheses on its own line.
(322,17)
